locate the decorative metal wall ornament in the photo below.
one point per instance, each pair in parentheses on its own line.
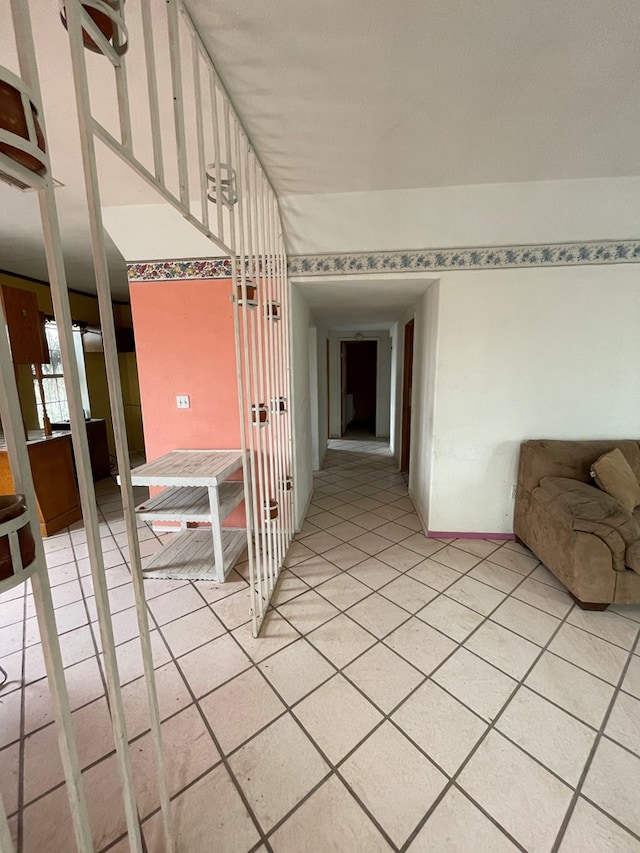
(279,405)
(17,546)
(251,292)
(260,415)
(101,20)
(221,184)
(271,511)
(273,310)
(21,136)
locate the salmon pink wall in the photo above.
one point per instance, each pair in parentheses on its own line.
(185,345)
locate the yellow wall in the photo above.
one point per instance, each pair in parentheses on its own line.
(131,397)
(85,309)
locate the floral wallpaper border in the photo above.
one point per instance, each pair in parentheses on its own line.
(426,260)
(440,260)
(167,270)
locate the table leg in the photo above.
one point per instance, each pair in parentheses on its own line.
(216,532)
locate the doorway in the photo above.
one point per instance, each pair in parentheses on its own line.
(358,381)
(407,385)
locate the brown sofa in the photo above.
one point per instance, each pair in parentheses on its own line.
(587,539)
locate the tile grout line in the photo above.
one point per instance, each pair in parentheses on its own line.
(444,592)
(290,709)
(195,702)
(23,714)
(387,718)
(92,633)
(598,738)
(610,817)
(491,728)
(221,753)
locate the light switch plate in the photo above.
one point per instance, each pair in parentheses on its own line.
(182,401)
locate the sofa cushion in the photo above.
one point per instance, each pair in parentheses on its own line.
(614,475)
(553,458)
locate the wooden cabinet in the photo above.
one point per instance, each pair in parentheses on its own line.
(98,446)
(54,480)
(26,329)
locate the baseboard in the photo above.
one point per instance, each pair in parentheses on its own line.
(452,534)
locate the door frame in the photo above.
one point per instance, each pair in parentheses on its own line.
(344,349)
(407,390)
(383,370)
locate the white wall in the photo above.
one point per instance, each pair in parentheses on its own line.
(395,393)
(500,355)
(383,387)
(318,394)
(541,353)
(300,318)
(480,215)
(323,391)
(147,232)
(314,398)
(423,399)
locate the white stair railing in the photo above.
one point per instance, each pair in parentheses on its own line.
(200,151)
(38,176)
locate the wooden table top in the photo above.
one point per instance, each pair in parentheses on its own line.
(188,468)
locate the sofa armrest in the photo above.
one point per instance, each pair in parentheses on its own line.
(584,508)
(587,503)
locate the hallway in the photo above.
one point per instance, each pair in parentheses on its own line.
(407,694)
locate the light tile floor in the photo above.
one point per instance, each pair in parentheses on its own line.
(408,694)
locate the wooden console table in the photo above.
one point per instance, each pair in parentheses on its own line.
(198,491)
(54,479)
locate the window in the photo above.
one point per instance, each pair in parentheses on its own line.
(55,393)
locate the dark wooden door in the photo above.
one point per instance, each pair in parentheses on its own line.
(407,384)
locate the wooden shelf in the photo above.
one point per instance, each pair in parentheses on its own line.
(198,492)
(190,556)
(190,503)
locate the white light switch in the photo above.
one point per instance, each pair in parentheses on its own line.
(182,401)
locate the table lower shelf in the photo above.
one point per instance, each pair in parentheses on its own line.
(190,503)
(190,556)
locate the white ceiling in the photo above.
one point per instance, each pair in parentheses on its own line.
(368,95)
(361,303)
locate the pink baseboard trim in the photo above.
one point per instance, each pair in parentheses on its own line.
(451,534)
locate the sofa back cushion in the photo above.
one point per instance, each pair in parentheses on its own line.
(553,458)
(614,475)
